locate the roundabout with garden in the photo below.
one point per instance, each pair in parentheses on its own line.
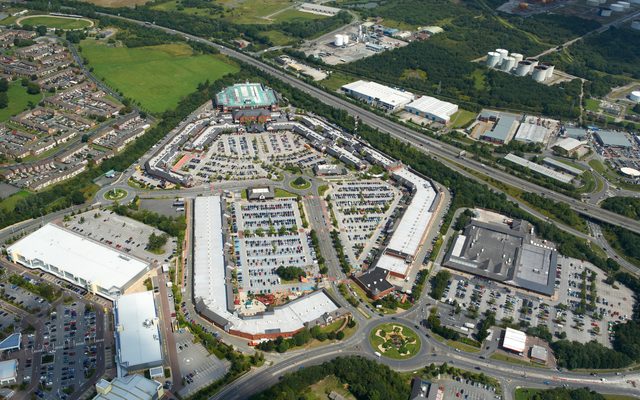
(395,341)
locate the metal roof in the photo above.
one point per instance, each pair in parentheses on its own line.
(514,340)
(137,332)
(8,370)
(615,139)
(246,95)
(11,342)
(523,162)
(381,93)
(430,105)
(132,387)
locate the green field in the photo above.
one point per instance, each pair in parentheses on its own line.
(462,118)
(526,394)
(18,101)
(291,15)
(10,202)
(56,22)
(156,76)
(398,342)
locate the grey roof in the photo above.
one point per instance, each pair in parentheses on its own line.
(502,129)
(575,133)
(11,342)
(374,280)
(562,166)
(615,139)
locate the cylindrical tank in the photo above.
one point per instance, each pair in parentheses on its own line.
(625,4)
(550,69)
(508,64)
(539,73)
(519,57)
(605,12)
(534,62)
(503,53)
(346,39)
(593,3)
(523,68)
(338,40)
(635,96)
(493,59)
(636,24)
(616,7)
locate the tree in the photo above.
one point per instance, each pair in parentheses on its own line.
(4,100)
(77,197)
(290,273)
(4,85)
(41,30)
(33,88)
(85,138)
(156,242)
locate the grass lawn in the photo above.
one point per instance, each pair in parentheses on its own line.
(18,101)
(117,3)
(618,397)
(463,346)
(254,11)
(592,105)
(115,194)
(514,360)
(156,76)
(526,394)
(396,337)
(336,80)
(300,183)
(461,118)
(279,193)
(9,203)
(321,389)
(292,15)
(278,38)
(56,22)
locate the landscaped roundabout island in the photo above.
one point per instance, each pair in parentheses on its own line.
(395,341)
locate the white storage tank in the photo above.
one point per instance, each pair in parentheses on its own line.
(493,59)
(508,64)
(539,73)
(605,12)
(636,24)
(346,39)
(635,96)
(625,4)
(338,40)
(616,7)
(503,53)
(519,57)
(523,68)
(550,69)
(534,62)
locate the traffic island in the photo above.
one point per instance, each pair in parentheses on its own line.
(395,341)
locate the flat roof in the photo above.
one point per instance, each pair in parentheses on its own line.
(441,109)
(539,352)
(131,387)
(541,169)
(574,132)
(568,143)
(78,255)
(11,342)
(246,95)
(552,162)
(532,133)
(514,340)
(137,330)
(8,369)
(385,94)
(415,220)
(502,129)
(211,288)
(392,264)
(615,139)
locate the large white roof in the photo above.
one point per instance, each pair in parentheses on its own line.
(568,144)
(80,256)
(384,93)
(8,370)
(514,340)
(441,109)
(132,387)
(392,264)
(415,221)
(137,329)
(209,280)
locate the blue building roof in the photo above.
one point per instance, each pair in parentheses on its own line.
(12,342)
(615,139)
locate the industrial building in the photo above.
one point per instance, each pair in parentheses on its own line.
(503,129)
(514,340)
(8,372)
(133,387)
(138,344)
(377,95)
(557,165)
(506,253)
(535,130)
(570,147)
(432,108)
(84,262)
(413,226)
(328,170)
(374,283)
(613,139)
(213,292)
(540,169)
(246,96)
(573,132)
(318,9)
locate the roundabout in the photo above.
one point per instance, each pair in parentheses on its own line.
(115,194)
(394,340)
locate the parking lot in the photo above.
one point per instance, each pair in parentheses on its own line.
(23,298)
(121,233)
(270,236)
(561,313)
(466,389)
(69,351)
(362,209)
(198,367)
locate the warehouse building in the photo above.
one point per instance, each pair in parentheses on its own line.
(246,96)
(573,132)
(133,387)
(377,95)
(514,340)
(503,129)
(432,108)
(570,147)
(540,169)
(507,253)
(319,9)
(84,262)
(213,292)
(560,166)
(613,139)
(138,344)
